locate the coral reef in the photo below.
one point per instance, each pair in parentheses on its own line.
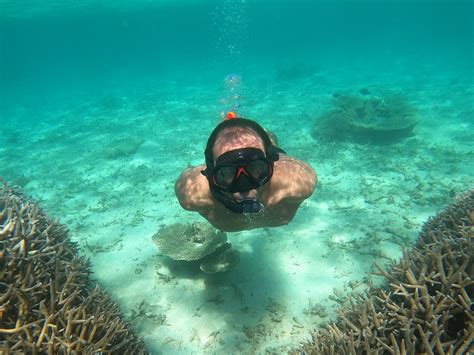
(197,241)
(367,118)
(47,302)
(426,305)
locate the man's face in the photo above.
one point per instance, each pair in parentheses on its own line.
(231,140)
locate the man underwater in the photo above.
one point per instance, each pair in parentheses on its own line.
(246,182)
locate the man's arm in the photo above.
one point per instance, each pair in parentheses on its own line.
(293,181)
(192,190)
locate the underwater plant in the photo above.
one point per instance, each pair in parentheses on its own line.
(426,303)
(197,241)
(47,301)
(367,119)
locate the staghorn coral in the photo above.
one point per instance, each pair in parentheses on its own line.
(426,307)
(47,304)
(367,119)
(197,241)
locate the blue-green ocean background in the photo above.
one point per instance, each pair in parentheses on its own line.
(61,55)
(104,103)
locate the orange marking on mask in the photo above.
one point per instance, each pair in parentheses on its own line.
(231,116)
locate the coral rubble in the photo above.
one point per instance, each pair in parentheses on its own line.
(426,305)
(47,302)
(197,241)
(367,119)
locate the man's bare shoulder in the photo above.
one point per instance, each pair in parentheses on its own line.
(192,189)
(293,180)
(293,163)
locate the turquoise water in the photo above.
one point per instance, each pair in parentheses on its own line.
(103,104)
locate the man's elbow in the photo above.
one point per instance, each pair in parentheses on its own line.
(187,205)
(183,200)
(310,185)
(306,190)
(312,177)
(190,203)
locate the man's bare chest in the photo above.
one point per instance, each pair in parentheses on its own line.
(228,221)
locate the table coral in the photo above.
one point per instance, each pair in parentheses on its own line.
(367,119)
(197,241)
(188,241)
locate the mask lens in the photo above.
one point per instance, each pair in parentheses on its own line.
(225,175)
(241,170)
(258,169)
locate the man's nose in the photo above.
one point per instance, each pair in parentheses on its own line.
(245,194)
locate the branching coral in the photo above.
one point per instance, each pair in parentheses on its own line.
(427,304)
(47,304)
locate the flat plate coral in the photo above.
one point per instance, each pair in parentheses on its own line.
(188,241)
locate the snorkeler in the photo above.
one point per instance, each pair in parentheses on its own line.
(247,182)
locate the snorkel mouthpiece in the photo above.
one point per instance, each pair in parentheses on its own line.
(251,206)
(243,206)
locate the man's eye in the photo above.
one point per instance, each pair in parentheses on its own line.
(257,168)
(225,175)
